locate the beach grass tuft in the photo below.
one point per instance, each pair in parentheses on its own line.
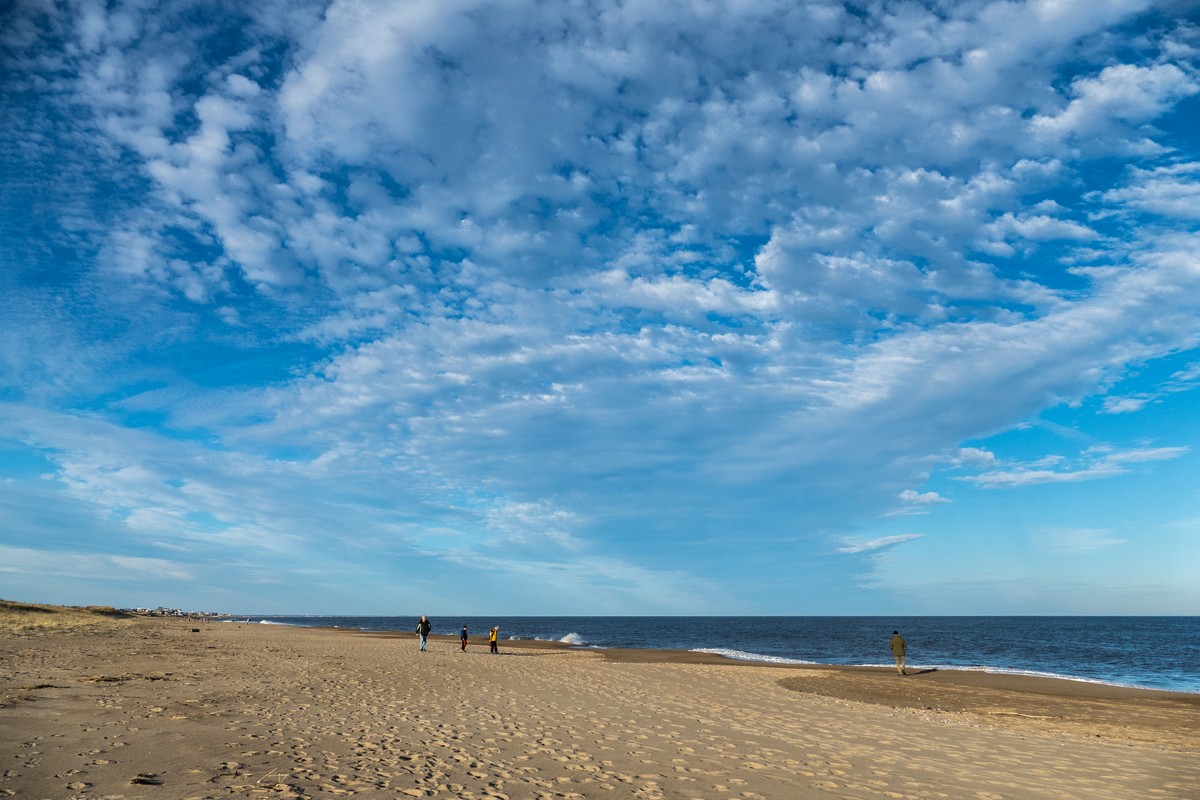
(25,618)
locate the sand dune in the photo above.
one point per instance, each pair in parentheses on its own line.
(151,709)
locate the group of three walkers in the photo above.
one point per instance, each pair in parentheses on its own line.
(424,626)
(898,645)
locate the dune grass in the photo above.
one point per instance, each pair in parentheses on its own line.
(24,618)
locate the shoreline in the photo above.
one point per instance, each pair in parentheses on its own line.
(1158,716)
(701,655)
(183,710)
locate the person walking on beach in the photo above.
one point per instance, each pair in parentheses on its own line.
(464,639)
(492,634)
(899,646)
(423,628)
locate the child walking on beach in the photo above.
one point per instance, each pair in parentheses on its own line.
(464,639)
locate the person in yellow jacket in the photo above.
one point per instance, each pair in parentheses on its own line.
(492,634)
(899,646)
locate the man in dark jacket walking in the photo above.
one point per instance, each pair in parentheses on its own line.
(423,628)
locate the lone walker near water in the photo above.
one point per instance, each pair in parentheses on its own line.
(464,638)
(898,648)
(423,628)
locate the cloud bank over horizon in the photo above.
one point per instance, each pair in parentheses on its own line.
(601,308)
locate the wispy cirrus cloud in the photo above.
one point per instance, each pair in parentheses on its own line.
(1183,380)
(1096,464)
(880,544)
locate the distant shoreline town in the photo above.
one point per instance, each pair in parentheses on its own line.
(173,612)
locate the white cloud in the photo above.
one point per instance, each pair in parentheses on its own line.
(883,543)
(1022,476)
(1041,228)
(1104,462)
(1125,405)
(1106,109)
(724,267)
(1172,191)
(974,456)
(31,563)
(921,498)
(1146,454)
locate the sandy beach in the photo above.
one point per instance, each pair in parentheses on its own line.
(107,707)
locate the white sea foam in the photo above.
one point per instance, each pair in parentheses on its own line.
(1031,673)
(741,655)
(1055,675)
(570,638)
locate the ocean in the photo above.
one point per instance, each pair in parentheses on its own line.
(1148,652)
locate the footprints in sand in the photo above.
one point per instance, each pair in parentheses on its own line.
(320,716)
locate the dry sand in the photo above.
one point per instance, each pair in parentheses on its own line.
(179,709)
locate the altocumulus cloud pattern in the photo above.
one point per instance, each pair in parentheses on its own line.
(601,307)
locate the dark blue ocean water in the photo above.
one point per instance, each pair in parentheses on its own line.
(1150,652)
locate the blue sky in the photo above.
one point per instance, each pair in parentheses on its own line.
(650,307)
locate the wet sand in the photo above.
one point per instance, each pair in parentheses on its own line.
(152,708)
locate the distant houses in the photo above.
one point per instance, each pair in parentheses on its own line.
(173,612)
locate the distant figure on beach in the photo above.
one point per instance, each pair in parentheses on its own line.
(464,638)
(492,634)
(898,648)
(423,628)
